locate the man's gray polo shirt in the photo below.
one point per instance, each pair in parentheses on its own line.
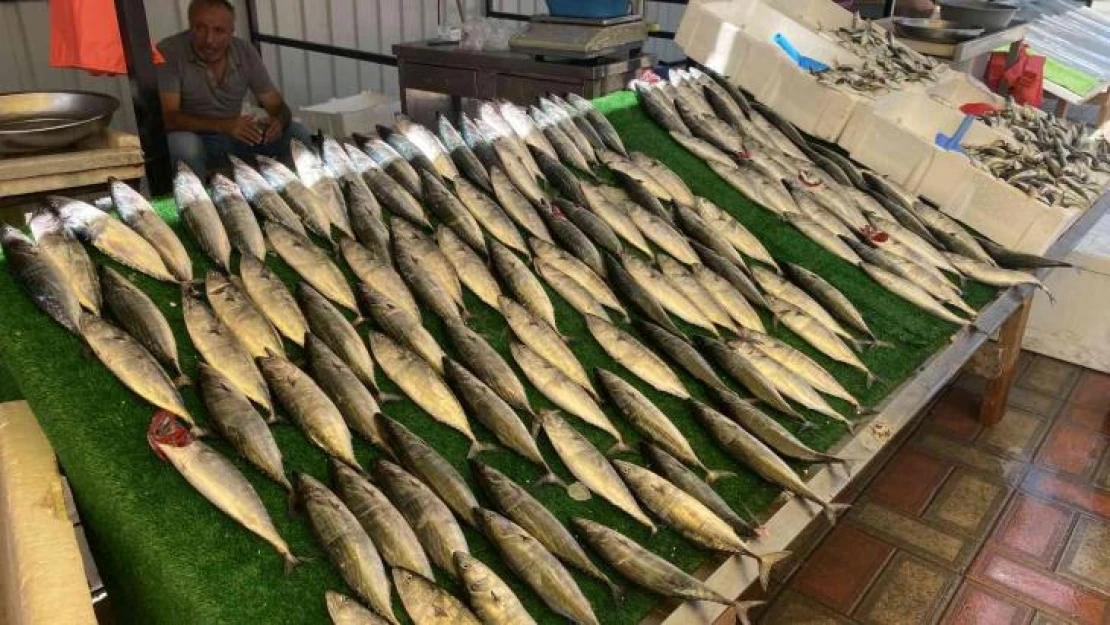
(201,92)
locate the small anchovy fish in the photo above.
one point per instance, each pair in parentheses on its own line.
(200,216)
(135,211)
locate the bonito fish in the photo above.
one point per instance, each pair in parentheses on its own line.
(120,243)
(219,348)
(141,318)
(428,604)
(135,211)
(312,264)
(320,181)
(491,597)
(635,356)
(41,277)
(273,298)
(269,205)
(200,216)
(236,310)
(238,219)
(217,480)
(325,321)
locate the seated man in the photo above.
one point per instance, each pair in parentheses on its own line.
(203,82)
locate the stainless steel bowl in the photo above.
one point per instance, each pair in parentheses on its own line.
(938,31)
(978,13)
(37,121)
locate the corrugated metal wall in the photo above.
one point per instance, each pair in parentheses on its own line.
(304,77)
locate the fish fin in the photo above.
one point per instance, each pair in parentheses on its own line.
(578,492)
(832,510)
(478,447)
(550,478)
(384,397)
(616,590)
(619,447)
(197,431)
(742,608)
(358,321)
(766,562)
(290,502)
(182,380)
(292,562)
(712,476)
(806,425)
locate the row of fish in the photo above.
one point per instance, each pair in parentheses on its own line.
(592,250)
(907,246)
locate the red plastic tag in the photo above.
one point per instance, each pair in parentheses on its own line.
(875,235)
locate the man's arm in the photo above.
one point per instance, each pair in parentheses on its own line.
(279,112)
(242,128)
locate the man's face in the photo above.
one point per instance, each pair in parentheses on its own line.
(212,27)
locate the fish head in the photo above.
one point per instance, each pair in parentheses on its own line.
(337,604)
(307,486)
(126,199)
(490,522)
(469,571)
(165,431)
(44,222)
(591,529)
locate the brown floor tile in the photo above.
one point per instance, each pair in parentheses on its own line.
(1087,557)
(1035,528)
(977,605)
(1067,490)
(974,383)
(908,481)
(1097,419)
(969,502)
(956,415)
(1033,401)
(1049,376)
(1092,391)
(842,567)
(1038,588)
(791,608)
(1017,434)
(1071,449)
(1010,470)
(951,551)
(909,590)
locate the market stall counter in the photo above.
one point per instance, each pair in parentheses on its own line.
(167,555)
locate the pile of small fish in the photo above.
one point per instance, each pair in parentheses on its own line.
(1053,160)
(419,218)
(887,64)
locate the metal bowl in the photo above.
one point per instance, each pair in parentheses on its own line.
(937,31)
(36,121)
(978,13)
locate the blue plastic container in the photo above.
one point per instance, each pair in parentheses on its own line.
(588,8)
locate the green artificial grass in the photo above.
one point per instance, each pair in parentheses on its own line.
(168,556)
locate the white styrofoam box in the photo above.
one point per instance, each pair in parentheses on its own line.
(1076,328)
(815,14)
(958,88)
(340,117)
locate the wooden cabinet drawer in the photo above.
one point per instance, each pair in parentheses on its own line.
(451,80)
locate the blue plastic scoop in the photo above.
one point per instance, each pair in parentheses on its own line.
(953,143)
(809,64)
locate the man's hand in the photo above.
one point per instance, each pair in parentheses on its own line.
(274,128)
(245,129)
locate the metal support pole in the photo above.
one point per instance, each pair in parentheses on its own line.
(135,35)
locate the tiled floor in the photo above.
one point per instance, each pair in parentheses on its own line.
(967,524)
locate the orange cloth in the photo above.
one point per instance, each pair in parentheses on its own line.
(84,34)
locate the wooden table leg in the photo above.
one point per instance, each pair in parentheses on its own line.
(1103,109)
(1061,108)
(1009,345)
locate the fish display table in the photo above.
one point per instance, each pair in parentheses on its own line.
(168,556)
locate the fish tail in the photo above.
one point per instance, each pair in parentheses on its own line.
(477,447)
(712,476)
(834,509)
(196,430)
(182,380)
(742,608)
(358,321)
(292,561)
(550,478)
(616,590)
(578,492)
(384,397)
(619,447)
(768,561)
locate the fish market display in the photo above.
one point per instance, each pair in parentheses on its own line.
(678,324)
(889,63)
